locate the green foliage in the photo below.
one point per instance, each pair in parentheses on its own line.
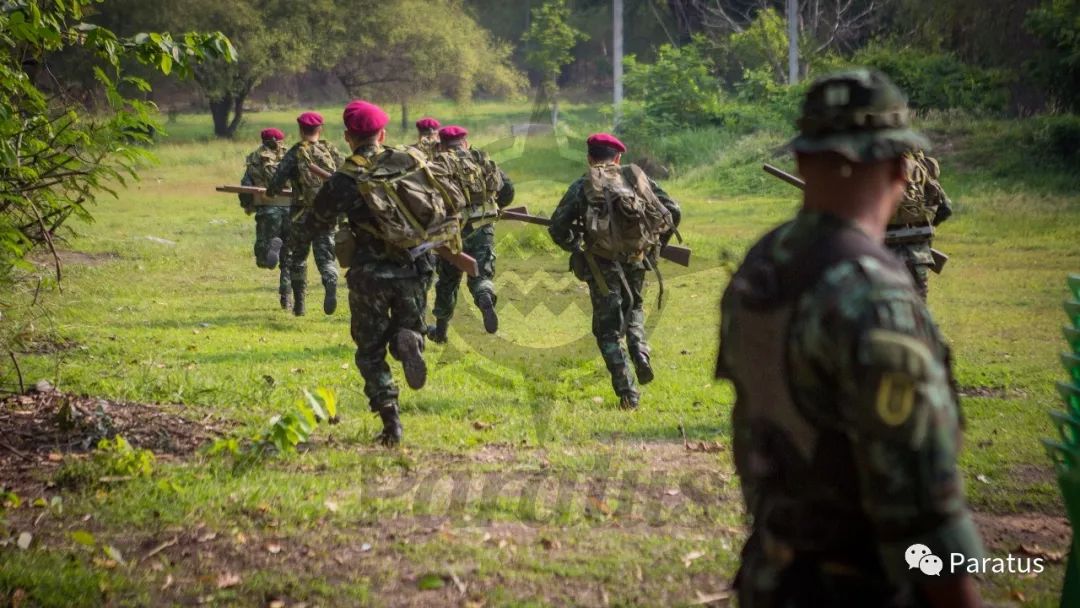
(284,432)
(935,80)
(1057,24)
(678,89)
(763,45)
(550,41)
(409,50)
(113,460)
(56,158)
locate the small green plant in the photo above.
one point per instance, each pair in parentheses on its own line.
(284,433)
(113,460)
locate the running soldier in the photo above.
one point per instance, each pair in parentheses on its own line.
(272,221)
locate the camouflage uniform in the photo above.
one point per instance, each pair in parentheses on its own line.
(428,144)
(293,170)
(617,313)
(846,425)
(386,288)
(271,216)
(480,244)
(925,204)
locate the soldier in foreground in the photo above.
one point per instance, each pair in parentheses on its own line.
(924,205)
(427,136)
(272,221)
(488,189)
(613,220)
(386,287)
(846,426)
(305,166)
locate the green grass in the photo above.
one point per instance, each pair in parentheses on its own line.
(557,498)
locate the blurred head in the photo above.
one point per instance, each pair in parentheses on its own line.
(365,123)
(453,136)
(310,124)
(854,133)
(604,147)
(272,138)
(427,127)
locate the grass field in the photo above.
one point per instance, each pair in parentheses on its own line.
(519,482)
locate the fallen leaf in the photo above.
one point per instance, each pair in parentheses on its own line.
(55,457)
(983,478)
(364,548)
(1053,557)
(273,548)
(1018,596)
(430,581)
(331,506)
(689,558)
(207,537)
(276,604)
(114,554)
(480,426)
(672,492)
(168,582)
(598,400)
(24,540)
(550,544)
(704,599)
(227,579)
(18,599)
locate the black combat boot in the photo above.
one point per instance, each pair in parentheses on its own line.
(284,296)
(487,308)
(273,252)
(410,351)
(629,401)
(391,433)
(643,367)
(298,299)
(437,332)
(329,303)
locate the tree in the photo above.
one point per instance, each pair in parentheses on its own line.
(551,40)
(401,50)
(1057,24)
(56,158)
(272,37)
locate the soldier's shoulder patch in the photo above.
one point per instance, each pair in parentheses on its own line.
(895,398)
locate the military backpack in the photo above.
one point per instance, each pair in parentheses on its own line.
(480,180)
(624,218)
(916,208)
(314,161)
(414,202)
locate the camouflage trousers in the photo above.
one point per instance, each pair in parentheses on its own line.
(379,307)
(480,244)
(619,315)
(805,581)
(919,261)
(320,243)
(273,222)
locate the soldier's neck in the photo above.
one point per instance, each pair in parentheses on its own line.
(864,209)
(311,138)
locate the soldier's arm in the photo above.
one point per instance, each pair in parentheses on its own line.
(505,196)
(562,228)
(338,158)
(247,201)
(286,170)
(334,197)
(897,405)
(944,209)
(668,202)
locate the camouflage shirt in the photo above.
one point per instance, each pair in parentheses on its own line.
(259,169)
(340,195)
(924,203)
(295,171)
(567,221)
(869,378)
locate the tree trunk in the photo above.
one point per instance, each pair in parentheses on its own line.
(219,110)
(405,114)
(238,113)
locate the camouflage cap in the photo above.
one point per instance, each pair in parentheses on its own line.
(859,114)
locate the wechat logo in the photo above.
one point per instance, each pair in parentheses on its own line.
(920,557)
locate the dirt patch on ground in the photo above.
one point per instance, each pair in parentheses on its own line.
(991,392)
(1034,534)
(38,426)
(84,258)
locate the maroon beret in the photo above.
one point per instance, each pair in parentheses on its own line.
(364,119)
(310,119)
(427,124)
(272,133)
(452,132)
(606,140)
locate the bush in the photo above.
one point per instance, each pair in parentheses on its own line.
(1056,138)
(936,80)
